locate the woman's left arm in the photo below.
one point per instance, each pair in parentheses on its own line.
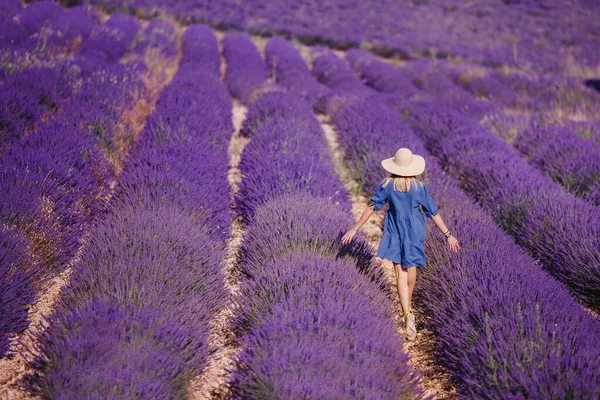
(452,241)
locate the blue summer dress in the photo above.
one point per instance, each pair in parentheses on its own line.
(404,225)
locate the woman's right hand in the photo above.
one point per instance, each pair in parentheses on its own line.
(453,244)
(348,236)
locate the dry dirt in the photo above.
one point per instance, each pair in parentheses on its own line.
(211,383)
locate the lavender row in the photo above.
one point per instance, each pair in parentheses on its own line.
(477,90)
(383,77)
(289,70)
(299,278)
(183,151)
(535,92)
(246,70)
(335,73)
(109,43)
(150,280)
(55,182)
(33,89)
(547,92)
(551,37)
(568,159)
(200,48)
(55,39)
(287,154)
(30,94)
(503,327)
(21,23)
(417,80)
(17,270)
(541,216)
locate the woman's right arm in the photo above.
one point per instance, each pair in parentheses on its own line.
(361,221)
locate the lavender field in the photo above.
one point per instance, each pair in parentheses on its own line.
(176,178)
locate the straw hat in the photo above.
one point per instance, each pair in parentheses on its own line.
(404,163)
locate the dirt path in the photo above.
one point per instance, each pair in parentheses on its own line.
(436,379)
(159,73)
(210,384)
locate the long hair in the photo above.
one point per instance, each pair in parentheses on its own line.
(402,183)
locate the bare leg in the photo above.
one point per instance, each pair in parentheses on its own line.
(403,288)
(412,278)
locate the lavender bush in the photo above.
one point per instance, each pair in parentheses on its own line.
(57,39)
(29,20)
(301,223)
(567,158)
(9,8)
(113,38)
(159,34)
(125,353)
(75,23)
(341,323)
(428,78)
(589,130)
(59,151)
(289,70)
(16,271)
(39,208)
(492,89)
(335,73)
(286,156)
(381,76)
(200,48)
(245,69)
(27,95)
(550,92)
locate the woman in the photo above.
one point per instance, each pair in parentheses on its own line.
(404,224)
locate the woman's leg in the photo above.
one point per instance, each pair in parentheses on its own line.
(412,278)
(403,289)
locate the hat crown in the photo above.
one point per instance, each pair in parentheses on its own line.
(403,157)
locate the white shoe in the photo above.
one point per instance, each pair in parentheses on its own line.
(411,329)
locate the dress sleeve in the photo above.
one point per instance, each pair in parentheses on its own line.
(429,206)
(379,198)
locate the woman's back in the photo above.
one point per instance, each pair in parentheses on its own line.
(405,198)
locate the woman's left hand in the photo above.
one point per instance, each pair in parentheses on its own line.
(453,244)
(348,236)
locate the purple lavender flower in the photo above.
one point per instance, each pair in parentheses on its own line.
(380,75)
(246,71)
(16,271)
(323,318)
(115,351)
(286,155)
(200,48)
(113,38)
(158,34)
(565,157)
(290,71)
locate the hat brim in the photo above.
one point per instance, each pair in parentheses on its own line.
(415,168)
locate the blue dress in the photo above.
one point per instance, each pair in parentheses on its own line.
(404,225)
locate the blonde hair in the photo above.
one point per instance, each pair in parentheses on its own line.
(402,183)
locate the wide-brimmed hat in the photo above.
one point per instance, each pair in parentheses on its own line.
(404,163)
